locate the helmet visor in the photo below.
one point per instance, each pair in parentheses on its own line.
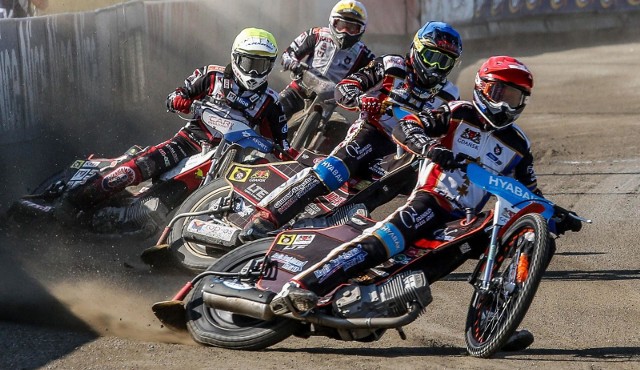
(348,27)
(498,92)
(436,58)
(253,65)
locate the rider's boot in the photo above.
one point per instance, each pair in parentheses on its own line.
(519,341)
(144,217)
(284,204)
(294,299)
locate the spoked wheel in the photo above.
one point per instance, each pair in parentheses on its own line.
(495,313)
(197,256)
(225,329)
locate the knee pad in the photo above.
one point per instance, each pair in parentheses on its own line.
(332,172)
(391,238)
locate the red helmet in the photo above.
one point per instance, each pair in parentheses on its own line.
(502,89)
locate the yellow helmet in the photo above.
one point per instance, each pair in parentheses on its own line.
(253,54)
(347,22)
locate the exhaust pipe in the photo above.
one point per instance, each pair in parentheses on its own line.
(241,306)
(262,311)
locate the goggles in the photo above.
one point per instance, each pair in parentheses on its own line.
(253,65)
(435,58)
(498,92)
(348,27)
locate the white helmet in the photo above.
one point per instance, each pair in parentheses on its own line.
(347,22)
(253,54)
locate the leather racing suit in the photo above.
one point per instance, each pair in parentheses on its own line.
(368,140)
(316,48)
(439,197)
(260,107)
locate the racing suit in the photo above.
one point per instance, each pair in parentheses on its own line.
(368,140)
(439,196)
(317,49)
(216,83)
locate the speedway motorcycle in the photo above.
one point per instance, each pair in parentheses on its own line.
(229,304)
(318,125)
(155,199)
(208,223)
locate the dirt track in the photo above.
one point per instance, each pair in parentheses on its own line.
(88,306)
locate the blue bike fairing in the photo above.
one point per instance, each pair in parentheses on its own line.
(249,139)
(507,188)
(332,172)
(391,237)
(400,113)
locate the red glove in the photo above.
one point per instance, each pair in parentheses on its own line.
(182,104)
(370,105)
(291,151)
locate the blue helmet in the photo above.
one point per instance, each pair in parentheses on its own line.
(435,50)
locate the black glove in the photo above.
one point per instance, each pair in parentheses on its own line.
(293,66)
(565,222)
(442,114)
(442,156)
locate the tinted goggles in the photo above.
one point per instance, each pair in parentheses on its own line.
(253,65)
(351,28)
(499,92)
(435,58)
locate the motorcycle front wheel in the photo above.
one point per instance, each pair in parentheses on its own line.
(196,256)
(494,314)
(225,329)
(306,131)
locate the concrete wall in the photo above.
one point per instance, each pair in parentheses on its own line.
(76,83)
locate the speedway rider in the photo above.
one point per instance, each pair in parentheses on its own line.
(332,52)
(483,129)
(419,80)
(240,85)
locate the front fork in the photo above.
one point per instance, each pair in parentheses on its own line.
(491,254)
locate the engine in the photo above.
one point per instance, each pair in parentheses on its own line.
(390,299)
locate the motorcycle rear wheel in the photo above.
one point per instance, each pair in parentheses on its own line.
(495,314)
(228,330)
(196,256)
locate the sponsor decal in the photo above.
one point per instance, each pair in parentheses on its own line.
(165,157)
(259,176)
(354,150)
(305,239)
(411,219)
(497,150)
(444,234)
(300,241)
(256,191)
(401,259)
(510,187)
(77,164)
(344,261)
(296,193)
(335,199)
(240,174)
(289,263)
(286,239)
(312,209)
(118,179)
(494,158)
(218,123)
(473,136)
